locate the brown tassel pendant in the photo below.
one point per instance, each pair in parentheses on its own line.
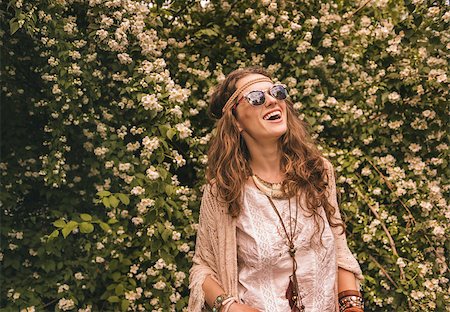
(292,295)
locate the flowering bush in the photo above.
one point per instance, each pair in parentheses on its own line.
(104,135)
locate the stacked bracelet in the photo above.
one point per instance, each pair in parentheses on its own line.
(350,301)
(220,301)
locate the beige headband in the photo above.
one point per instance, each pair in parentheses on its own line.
(236,93)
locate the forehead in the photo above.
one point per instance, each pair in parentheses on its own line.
(256,86)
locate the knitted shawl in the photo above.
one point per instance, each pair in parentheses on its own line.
(216,254)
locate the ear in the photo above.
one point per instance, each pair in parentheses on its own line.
(238,124)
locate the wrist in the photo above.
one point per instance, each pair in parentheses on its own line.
(223,303)
(350,301)
(231,307)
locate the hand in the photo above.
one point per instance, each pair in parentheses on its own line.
(238,307)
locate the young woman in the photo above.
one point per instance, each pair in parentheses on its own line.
(270,234)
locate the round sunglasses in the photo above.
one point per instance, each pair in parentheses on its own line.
(258,97)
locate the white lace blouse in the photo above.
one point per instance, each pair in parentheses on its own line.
(264,264)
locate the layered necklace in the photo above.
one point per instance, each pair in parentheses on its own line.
(275,190)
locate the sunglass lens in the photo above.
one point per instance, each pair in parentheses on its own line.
(279,92)
(256,98)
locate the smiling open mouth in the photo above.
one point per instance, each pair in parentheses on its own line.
(272,116)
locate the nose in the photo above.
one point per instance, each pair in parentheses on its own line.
(270,100)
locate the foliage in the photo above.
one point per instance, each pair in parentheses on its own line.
(104,135)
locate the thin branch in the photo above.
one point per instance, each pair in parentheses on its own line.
(391,187)
(385,229)
(384,271)
(359,9)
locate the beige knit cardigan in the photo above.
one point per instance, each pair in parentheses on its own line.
(215,251)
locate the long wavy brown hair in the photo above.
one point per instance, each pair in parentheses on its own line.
(228,156)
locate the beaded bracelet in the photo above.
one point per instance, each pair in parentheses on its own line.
(217,305)
(350,301)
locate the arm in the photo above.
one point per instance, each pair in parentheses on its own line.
(203,278)
(203,264)
(349,273)
(346,280)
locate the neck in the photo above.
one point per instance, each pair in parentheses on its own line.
(265,161)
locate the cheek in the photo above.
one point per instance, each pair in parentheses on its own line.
(246,118)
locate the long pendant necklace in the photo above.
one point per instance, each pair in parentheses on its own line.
(292,292)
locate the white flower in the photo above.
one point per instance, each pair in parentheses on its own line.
(417,295)
(150,144)
(137,190)
(401,262)
(176,111)
(180,276)
(159,285)
(134,268)
(160,264)
(178,159)
(124,58)
(183,247)
(175,297)
(367,237)
(99,259)
(150,102)
(137,220)
(152,173)
(183,129)
(124,167)
(179,95)
(79,276)
(395,124)
(438,231)
(150,231)
(63,288)
(87,309)
(366,171)
(415,147)
(66,304)
(176,235)
(394,97)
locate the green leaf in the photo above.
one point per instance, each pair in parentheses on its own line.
(119,290)
(125,304)
(106,202)
(169,189)
(170,133)
(113,299)
(65,232)
(85,217)
(105,227)
(112,221)
(59,223)
(116,276)
(113,201)
(165,234)
(54,234)
(103,193)
(72,225)
(124,198)
(86,227)
(13,26)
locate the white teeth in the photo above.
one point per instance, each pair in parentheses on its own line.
(275,113)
